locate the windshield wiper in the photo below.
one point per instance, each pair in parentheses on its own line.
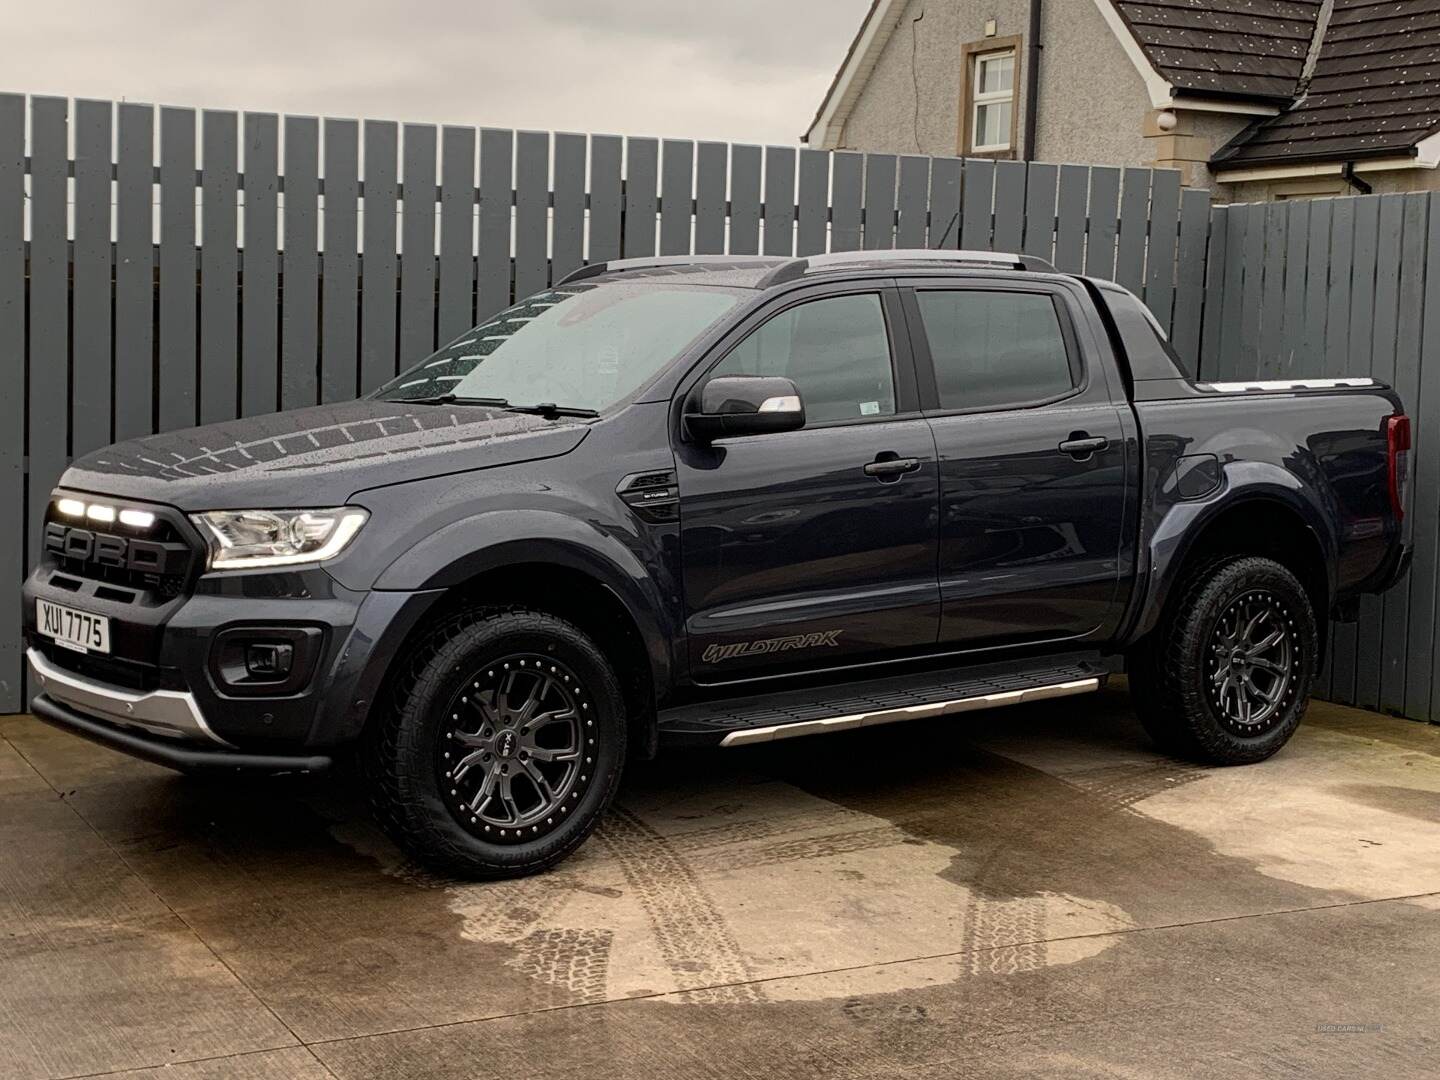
(453,399)
(551,411)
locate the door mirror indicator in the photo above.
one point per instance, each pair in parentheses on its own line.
(731,405)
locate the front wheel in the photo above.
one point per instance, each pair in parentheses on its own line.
(502,747)
(1225,678)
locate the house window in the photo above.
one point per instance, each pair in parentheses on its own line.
(987,107)
(994,102)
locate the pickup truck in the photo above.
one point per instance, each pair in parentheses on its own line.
(715,501)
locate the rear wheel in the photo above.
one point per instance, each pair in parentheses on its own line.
(1225,677)
(503,745)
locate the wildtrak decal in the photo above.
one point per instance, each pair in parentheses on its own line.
(713,654)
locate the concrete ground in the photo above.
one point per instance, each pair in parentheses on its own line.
(1028,891)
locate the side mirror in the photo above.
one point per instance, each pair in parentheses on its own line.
(731,405)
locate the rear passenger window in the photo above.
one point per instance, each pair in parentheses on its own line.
(835,350)
(993,349)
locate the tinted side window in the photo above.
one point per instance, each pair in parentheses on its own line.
(835,350)
(994,348)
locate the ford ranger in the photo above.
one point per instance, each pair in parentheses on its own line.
(715,500)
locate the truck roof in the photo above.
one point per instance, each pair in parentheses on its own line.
(764,271)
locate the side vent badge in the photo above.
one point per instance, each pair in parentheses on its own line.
(654,496)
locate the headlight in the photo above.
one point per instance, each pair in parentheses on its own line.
(240,539)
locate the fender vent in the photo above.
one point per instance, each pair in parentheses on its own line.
(653,496)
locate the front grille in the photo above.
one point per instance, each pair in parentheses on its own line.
(121,564)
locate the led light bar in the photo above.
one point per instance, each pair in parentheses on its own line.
(104,513)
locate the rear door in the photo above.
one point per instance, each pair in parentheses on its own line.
(1031,448)
(814,548)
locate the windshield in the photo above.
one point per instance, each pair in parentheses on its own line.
(582,346)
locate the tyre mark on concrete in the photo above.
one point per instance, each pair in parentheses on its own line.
(695,941)
(1122,786)
(803,848)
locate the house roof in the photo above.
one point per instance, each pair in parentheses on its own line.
(1366,99)
(1225,48)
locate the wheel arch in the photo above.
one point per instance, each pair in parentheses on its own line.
(1277,522)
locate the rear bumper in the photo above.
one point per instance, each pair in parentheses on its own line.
(171,752)
(1394,569)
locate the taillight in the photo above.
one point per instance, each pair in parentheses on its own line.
(1397,441)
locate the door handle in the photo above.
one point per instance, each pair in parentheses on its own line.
(889,467)
(1082,445)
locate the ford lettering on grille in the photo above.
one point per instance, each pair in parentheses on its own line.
(120,552)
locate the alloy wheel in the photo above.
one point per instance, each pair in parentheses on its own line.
(1251,663)
(518,750)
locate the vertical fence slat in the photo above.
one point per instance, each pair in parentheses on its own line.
(1190,275)
(90,409)
(1070,213)
(642,158)
(1272,290)
(1252,293)
(744,200)
(1317,261)
(945,179)
(378,281)
(568,230)
(1134,223)
(532,213)
(977,202)
(456,264)
(300,265)
(12,370)
(912,201)
(134,270)
(1010,193)
(497,152)
(1394,672)
(176,371)
(879,215)
(1212,318)
(605,157)
(1424,643)
(711,172)
(1104,216)
(1237,223)
(1337,674)
(417,245)
(1364,299)
(49,300)
(1041,190)
(846,195)
(779,200)
(339,342)
(219,265)
(814,202)
(260,315)
(1292,322)
(677,165)
(1160,251)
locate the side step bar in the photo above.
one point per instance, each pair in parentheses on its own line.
(793,713)
(913,712)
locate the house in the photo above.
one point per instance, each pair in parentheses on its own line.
(1255,99)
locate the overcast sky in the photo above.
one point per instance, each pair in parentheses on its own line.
(741,70)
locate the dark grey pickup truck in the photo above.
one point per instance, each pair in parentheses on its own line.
(716,501)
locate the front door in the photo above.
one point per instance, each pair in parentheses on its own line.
(1033,484)
(814,548)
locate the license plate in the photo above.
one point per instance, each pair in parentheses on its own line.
(78,630)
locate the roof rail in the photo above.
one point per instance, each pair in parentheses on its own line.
(839,259)
(652,262)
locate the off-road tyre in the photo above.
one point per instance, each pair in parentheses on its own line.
(1175,674)
(409,752)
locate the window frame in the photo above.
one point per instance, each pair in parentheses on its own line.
(925,358)
(897,325)
(972,56)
